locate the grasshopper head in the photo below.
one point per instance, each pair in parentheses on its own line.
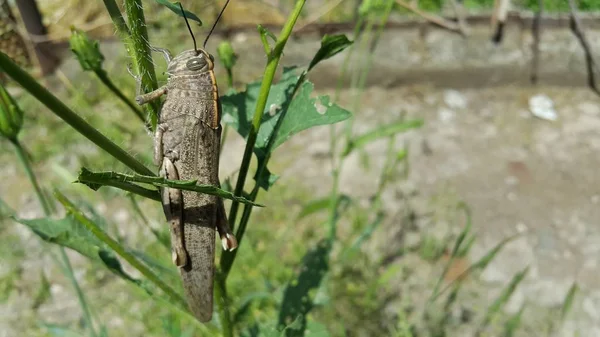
(190,62)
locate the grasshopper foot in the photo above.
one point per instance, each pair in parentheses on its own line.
(228,241)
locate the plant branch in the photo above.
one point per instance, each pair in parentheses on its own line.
(228,259)
(117,248)
(135,39)
(536,31)
(109,83)
(141,54)
(434,19)
(272,63)
(118,20)
(66,114)
(223,305)
(68,268)
(459,11)
(22,157)
(577,29)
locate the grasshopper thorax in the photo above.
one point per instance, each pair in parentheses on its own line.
(190,62)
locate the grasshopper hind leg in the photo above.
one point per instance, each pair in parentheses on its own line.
(173,206)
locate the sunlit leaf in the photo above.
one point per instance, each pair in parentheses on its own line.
(331,45)
(174,7)
(303,112)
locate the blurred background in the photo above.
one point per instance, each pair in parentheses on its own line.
(509,146)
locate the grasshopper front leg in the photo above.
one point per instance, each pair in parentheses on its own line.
(151,96)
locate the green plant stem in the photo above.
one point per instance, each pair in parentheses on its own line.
(335,173)
(118,20)
(22,157)
(115,246)
(140,52)
(66,114)
(80,296)
(135,41)
(228,258)
(273,61)
(333,140)
(229,78)
(222,305)
(110,85)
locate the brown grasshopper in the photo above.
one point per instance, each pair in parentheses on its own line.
(186,147)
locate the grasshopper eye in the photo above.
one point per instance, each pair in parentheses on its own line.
(196,63)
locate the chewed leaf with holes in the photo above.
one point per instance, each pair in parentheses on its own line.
(303,112)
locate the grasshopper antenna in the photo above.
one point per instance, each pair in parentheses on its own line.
(189,28)
(215,24)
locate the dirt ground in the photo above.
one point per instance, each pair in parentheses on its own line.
(481,145)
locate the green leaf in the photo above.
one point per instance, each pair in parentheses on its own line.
(513,323)
(296,303)
(314,206)
(320,204)
(43,293)
(5,210)
(381,132)
(164,270)
(505,295)
(264,34)
(316,329)
(458,246)
(69,233)
(330,46)
(303,113)
(364,236)
(568,302)
(246,302)
(482,263)
(11,115)
(297,326)
(95,180)
(174,7)
(101,236)
(238,107)
(266,179)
